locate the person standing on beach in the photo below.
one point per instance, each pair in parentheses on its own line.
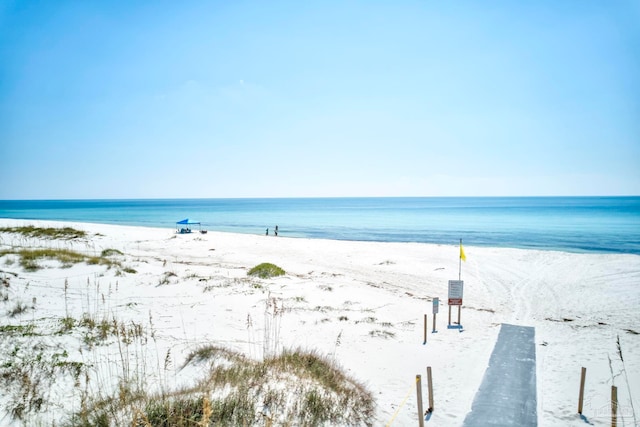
(276,230)
(267,233)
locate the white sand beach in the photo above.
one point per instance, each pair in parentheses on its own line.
(361,304)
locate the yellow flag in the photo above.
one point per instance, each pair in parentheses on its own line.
(462,255)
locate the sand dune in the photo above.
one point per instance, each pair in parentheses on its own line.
(359,303)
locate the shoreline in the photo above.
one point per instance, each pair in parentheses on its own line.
(576,251)
(355,301)
(576,225)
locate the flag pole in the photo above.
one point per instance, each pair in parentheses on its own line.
(460,262)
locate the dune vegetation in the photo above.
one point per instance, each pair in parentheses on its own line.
(110,371)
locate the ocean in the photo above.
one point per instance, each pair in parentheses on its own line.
(573,224)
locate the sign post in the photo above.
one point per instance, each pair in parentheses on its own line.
(436,303)
(456,288)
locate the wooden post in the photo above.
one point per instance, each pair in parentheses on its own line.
(614,406)
(419,393)
(425,330)
(581,396)
(459,310)
(449,315)
(430,387)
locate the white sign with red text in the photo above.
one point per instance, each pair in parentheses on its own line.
(455,292)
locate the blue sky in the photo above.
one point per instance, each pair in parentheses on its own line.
(152,99)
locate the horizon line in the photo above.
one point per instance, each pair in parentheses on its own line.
(315,197)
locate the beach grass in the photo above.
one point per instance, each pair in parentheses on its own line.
(299,387)
(30,259)
(89,346)
(298,384)
(296,387)
(46,232)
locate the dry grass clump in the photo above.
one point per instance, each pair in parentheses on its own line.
(266,271)
(213,353)
(110,252)
(296,387)
(33,362)
(231,411)
(17,309)
(27,330)
(66,233)
(29,370)
(30,258)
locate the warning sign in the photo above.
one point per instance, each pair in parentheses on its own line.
(455,292)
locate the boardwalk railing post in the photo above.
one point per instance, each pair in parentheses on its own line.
(430,387)
(419,393)
(614,406)
(581,396)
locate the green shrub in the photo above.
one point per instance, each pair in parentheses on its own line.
(266,270)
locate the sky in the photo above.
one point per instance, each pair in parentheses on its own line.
(167,99)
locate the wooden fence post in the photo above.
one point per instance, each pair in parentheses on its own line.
(614,406)
(419,393)
(425,330)
(581,396)
(430,387)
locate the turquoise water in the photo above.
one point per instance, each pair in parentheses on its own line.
(575,224)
